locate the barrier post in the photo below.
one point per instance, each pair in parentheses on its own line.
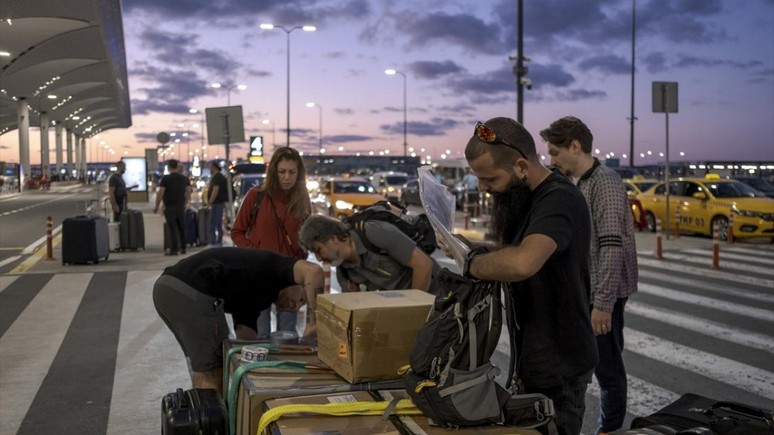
(730,238)
(676,233)
(49,238)
(659,253)
(327,272)
(715,246)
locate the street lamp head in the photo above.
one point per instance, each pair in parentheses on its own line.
(265,122)
(241,87)
(309,28)
(390,72)
(310,104)
(267,26)
(193,111)
(215,85)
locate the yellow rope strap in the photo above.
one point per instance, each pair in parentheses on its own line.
(403,407)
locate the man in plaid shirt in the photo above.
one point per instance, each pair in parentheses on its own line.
(612,256)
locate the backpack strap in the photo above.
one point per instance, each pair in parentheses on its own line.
(510,317)
(259,194)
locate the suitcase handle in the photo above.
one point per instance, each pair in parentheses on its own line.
(740,408)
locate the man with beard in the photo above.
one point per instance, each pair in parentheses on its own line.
(389,260)
(613,257)
(542,223)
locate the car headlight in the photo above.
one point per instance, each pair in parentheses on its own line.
(748,213)
(391,189)
(312,185)
(344,205)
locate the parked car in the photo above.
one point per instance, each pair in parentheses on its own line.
(704,201)
(390,184)
(758,184)
(242,183)
(637,185)
(343,196)
(410,194)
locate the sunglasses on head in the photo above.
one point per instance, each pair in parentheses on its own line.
(486,134)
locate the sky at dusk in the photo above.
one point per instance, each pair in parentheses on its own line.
(455,57)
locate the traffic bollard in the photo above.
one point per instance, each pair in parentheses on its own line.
(659,253)
(327,273)
(49,238)
(715,246)
(730,238)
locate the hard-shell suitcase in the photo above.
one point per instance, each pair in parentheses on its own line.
(194,412)
(692,411)
(132,230)
(191,227)
(203,222)
(84,240)
(114,236)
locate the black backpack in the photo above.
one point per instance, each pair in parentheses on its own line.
(416,227)
(450,377)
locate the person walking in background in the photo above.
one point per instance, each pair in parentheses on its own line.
(218,196)
(542,222)
(612,257)
(117,191)
(270,217)
(193,296)
(175,191)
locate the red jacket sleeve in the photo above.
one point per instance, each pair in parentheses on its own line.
(242,221)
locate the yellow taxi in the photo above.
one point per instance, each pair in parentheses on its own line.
(638,185)
(343,196)
(702,202)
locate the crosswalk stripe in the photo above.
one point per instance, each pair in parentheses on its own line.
(764,251)
(743,376)
(729,307)
(147,350)
(643,397)
(706,272)
(702,326)
(646,274)
(35,337)
(6,280)
(744,258)
(725,262)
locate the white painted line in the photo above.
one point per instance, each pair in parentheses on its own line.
(6,280)
(759,260)
(725,261)
(763,251)
(643,398)
(36,337)
(707,285)
(706,272)
(703,301)
(9,260)
(34,245)
(740,375)
(703,326)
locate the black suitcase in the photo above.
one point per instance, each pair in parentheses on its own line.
(203,225)
(84,240)
(132,229)
(191,228)
(692,411)
(194,412)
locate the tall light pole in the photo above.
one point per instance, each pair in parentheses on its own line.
(288,30)
(201,112)
(228,90)
(320,148)
(392,72)
(631,117)
(273,131)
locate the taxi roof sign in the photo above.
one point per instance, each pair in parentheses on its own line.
(712,176)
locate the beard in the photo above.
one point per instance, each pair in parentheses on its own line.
(509,210)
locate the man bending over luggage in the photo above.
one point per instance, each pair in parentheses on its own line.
(388,260)
(193,296)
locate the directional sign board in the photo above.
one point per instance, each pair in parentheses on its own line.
(664,97)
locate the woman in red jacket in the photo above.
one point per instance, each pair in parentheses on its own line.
(270,217)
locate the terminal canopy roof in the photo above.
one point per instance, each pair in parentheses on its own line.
(65,58)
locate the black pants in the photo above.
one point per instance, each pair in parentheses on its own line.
(175,216)
(611,373)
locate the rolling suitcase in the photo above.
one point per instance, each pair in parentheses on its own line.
(203,222)
(692,411)
(114,236)
(191,227)
(84,240)
(132,230)
(196,411)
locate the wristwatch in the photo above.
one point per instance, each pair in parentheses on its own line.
(469,257)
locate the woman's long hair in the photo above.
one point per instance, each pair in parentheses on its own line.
(299,204)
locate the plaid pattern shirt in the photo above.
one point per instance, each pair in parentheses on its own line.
(613,253)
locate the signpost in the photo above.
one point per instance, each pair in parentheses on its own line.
(665,101)
(225,126)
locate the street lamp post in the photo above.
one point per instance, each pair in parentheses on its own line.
(273,131)
(228,90)
(320,148)
(288,30)
(201,134)
(391,72)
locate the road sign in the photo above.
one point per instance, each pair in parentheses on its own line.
(664,97)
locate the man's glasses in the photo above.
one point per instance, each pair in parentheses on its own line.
(486,134)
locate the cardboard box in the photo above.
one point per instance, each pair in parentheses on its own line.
(297,424)
(304,424)
(260,385)
(367,336)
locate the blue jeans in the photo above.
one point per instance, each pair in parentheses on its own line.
(569,403)
(216,223)
(286,321)
(611,373)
